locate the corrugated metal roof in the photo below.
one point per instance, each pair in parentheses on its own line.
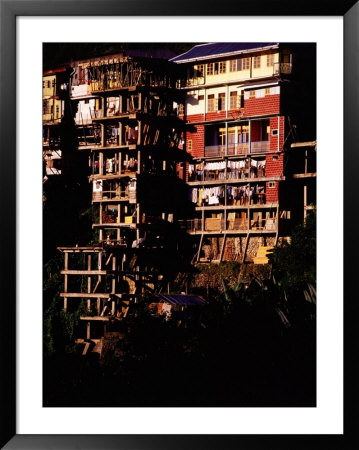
(216,50)
(187,300)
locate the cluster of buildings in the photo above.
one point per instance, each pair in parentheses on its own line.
(207,155)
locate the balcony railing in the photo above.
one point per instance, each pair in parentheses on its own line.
(233,174)
(259,146)
(214,150)
(236,149)
(109,195)
(220,225)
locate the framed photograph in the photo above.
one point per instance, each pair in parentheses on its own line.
(197,137)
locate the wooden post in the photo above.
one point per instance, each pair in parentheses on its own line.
(120,104)
(249,136)
(66,279)
(103,143)
(120,133)
(138,221)
(119,163)
(223,246)
(89,281)
(101,163)
(139,162)
(99,267)
(113,283)
(305,198)
(139,134)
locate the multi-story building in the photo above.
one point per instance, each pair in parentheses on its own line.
(124,113)
(245,105)
(54,90)
(236,122)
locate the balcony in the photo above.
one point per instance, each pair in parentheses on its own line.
(238,149)
(212,151)
(110,195)
(259,146)
(218,225)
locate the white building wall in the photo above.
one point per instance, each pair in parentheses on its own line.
(84,109)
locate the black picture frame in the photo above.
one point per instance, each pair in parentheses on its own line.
(9,10)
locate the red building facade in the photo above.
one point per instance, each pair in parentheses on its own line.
(243,108)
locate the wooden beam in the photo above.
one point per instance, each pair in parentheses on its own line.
(199,248)
(84,272)
(94,295)
(305,175)
(304,144)
(99,318)
(85,350)
(223,246)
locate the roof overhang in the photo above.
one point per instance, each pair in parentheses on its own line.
(223,55)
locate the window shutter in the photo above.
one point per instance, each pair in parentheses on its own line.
(238,103)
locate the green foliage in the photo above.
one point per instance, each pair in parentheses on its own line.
(294,264)
(59,331)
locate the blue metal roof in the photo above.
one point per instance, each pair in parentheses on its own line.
(216,50)
(187,300)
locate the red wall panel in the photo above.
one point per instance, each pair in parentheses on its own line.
(262,106)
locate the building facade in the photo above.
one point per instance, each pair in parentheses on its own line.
(124,116)
(245,105)
(54,86)
(209,156)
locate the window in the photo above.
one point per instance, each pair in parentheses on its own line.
(233,65)
(211,103)
(97,104)
(200,70)
(233,100)
(43,84)
(267,92)
(243,64)
(222,66)
(252,94)
(243,134)
(256,62)
(189,145)
(44,107)
(222,136)
(48,84)
(274,132)
(57,111)
(221,101)
(271,184)
(286,58)
(87,101)
(200,97)
(51,109)
(270,60)
(210,68)
(53,83)
(231,135)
